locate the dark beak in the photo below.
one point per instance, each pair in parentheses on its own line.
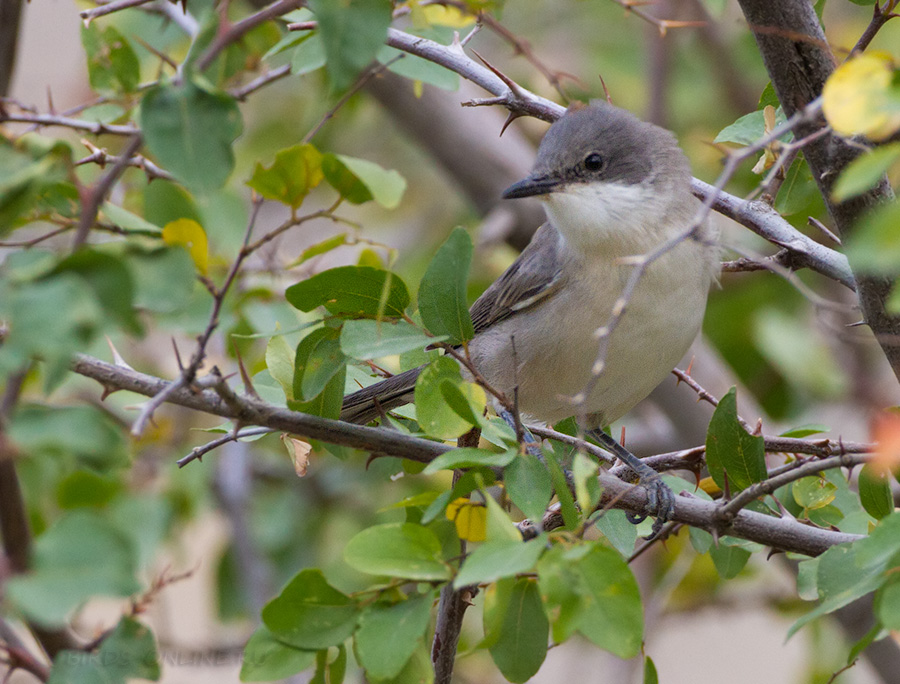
(531,186)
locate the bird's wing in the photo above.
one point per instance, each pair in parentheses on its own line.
(532,277)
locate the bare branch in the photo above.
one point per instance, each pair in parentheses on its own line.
(93,198)
(95,127)
(109,8)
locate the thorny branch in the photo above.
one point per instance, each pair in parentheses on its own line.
(782,533)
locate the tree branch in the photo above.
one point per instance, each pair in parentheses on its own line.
(781,533)
(796,55)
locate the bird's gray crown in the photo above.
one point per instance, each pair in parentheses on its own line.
(601,142)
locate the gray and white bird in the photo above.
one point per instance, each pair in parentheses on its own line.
(613,187)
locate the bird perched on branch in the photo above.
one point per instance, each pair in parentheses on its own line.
(606,298)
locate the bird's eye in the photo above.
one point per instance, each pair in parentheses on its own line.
(593,162)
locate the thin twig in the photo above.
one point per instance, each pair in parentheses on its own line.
(769,485)
(109,8)
(236,31)
(96,195)
(265,79)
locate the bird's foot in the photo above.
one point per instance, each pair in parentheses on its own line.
(660,498)
(660,502)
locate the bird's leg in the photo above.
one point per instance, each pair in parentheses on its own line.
(660,499)
(532,446)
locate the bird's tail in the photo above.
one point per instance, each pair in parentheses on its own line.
(371,402)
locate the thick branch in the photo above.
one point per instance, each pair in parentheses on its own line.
(781,533)
(796,55)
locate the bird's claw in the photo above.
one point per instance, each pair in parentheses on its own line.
(660,502)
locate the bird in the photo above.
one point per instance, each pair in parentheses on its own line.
(614,188)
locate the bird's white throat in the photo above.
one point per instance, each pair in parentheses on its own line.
(620,217)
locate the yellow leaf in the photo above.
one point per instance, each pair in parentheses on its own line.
(448,16)
(470,519)
(708,485)
(190,235)
(858,98)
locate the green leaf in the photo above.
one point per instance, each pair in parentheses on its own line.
(366,339)
(442,292)
(887,603)
(614,525)
(166,201)
(612,617)
(26,171)
(650,674)
(435,416)
(587,488)
(496,559)
(729,560)
(81,432)
(875,493)
(802,431)
(163,278)
(323,247)
(190,130)
(864,172)
(874,245)
(385,186)
(749,128)
(561,487)
(397,550)
(113,67)
(352,291)
(813,492)
(295,171)
(127,653)
(308,56)
(352,32)
(342,179)
(389,634)
(80,556)
(267,659)
(327,403)
(110,281)
(310,613)
(468,457)
(48,319)
(280,360)
(842,578)
(85,489)
(729,449)
(418,670)
(516,628)
(318,360)
(529,485)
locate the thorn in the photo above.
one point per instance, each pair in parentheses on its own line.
(605,89)
(50,106)
(690,366)
(177,356)
(758,429)
(509,119)
(512,85)
(815,223)
(245,377)
(117,357)
(773,552)
(622,436)
(107,390)
(855,325)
